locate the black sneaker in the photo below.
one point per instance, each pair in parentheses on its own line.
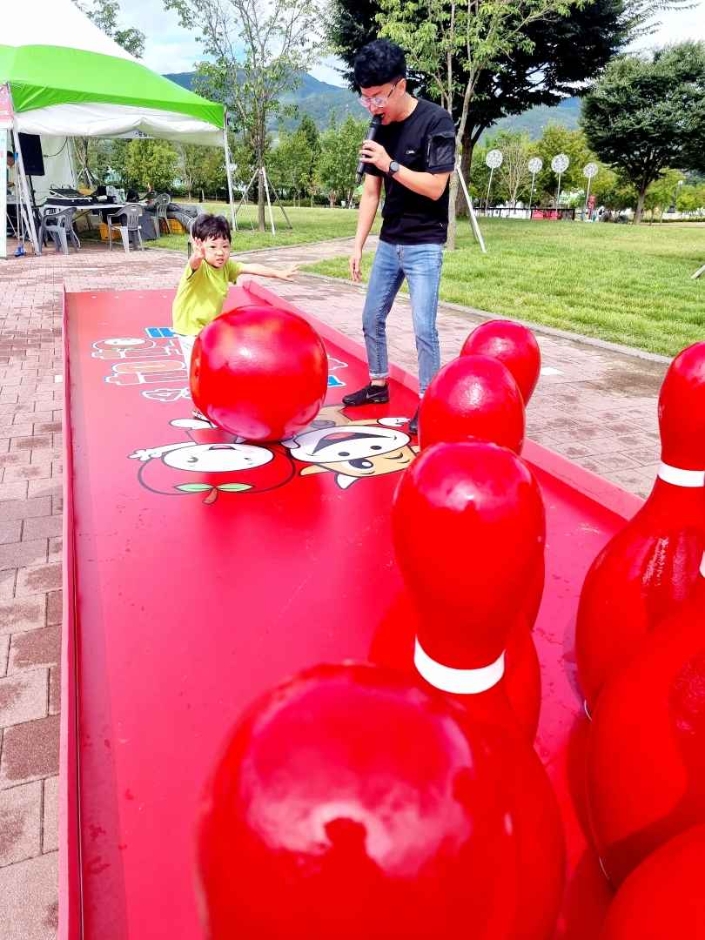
(414,423)
(369,395)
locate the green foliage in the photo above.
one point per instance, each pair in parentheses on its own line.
(202,170)
(292,165)
(150,164)
(645,115)
(104,13)
(340,147)
(256,49)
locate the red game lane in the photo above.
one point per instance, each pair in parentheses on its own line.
(201,571)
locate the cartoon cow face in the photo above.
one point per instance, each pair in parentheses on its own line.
(353,451)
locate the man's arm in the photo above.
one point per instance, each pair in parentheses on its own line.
(371,191)
(431,185)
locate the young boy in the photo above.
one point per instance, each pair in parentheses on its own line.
(204,284)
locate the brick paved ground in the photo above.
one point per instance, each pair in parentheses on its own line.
(594,405)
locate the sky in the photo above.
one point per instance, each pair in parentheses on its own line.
(169,48)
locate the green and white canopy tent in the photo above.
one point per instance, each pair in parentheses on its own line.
(64,77)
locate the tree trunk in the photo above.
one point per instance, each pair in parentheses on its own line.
(461,206)
(453,195)
(640,205)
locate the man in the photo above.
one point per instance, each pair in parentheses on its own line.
(414,154)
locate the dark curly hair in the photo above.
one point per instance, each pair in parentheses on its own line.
(379,62)
(210,226)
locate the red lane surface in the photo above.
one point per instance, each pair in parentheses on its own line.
(204,573)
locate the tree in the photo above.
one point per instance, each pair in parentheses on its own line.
(309,130)
(257,48)
(646,114)
(340,147)
(558,139)
(150,164)
(203,170)
(457,43)
(291,163)
(563,53)
(104,13)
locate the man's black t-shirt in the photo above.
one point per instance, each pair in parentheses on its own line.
(425,142)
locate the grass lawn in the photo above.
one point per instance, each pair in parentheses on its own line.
(309,225)
(622,283)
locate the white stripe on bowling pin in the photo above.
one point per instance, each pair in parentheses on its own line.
(459,681)
(691,479)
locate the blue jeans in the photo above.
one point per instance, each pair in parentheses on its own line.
(421,266)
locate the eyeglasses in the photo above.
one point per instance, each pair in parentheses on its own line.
(378,101)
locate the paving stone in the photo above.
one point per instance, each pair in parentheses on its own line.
(29,908)
(10,531)
(23,554)
(20,823)
(22,613)
(55,690)
(38,579)
(30,751)
(42,527)
(35,648)
(55,610)
(50,827)
(20,508)
(4,653)
(23,696)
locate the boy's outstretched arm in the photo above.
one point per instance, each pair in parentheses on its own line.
(263,270)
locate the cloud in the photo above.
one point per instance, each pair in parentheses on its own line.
(673,26)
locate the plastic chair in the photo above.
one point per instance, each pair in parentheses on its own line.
(161,203)
(58,224)
(127,220)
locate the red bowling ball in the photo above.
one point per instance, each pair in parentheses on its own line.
(259,372)
(514,345)
(350,803)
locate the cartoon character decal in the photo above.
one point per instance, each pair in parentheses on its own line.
(352,450)
(212,462)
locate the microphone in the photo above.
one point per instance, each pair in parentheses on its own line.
(371,134)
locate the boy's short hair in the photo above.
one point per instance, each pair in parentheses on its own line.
(379,62)
(206,225)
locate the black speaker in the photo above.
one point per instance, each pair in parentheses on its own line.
(31,147)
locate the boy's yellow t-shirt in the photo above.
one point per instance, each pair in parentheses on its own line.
(201,294)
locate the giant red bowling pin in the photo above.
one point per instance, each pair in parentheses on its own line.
(468,523)
(514,345)
(664,897)
(646,756)
(651,566)
(351,803)
(475,397)
(472,398)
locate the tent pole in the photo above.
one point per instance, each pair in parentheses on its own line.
(26,207)
(226,148)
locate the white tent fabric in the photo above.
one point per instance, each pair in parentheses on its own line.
(117,120)
(55,23)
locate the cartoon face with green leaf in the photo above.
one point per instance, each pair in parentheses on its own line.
(218,463)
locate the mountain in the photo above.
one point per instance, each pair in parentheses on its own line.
(320,100)
(534,121)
